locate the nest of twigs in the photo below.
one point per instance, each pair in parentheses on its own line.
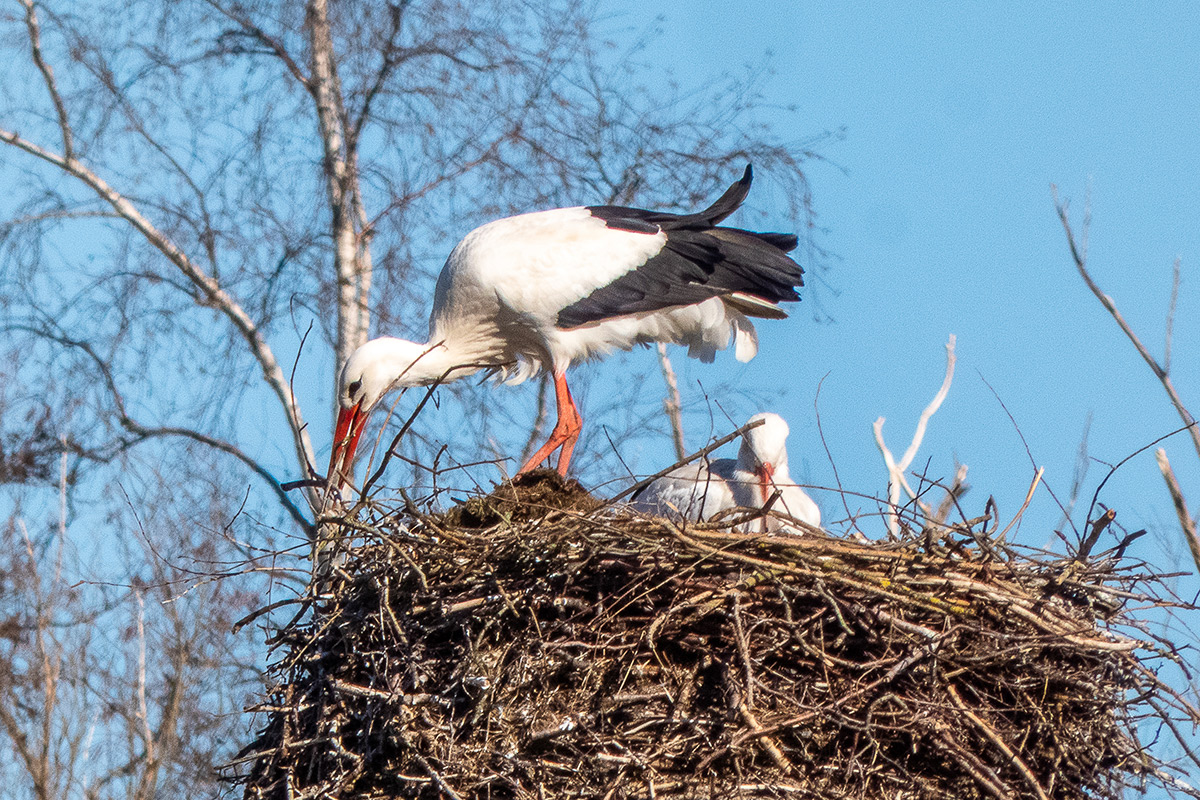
(536,645)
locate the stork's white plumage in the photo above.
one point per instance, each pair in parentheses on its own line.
(701,491)
(545,290)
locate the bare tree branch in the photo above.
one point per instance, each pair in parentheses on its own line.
(211,294)
(145,432)
(897,478)
(143,714)
(341,183)
(672,404)
(352,255)
(273,45)
(1186,522)
(1079,256)
(104,74)
(35,45)
(388,63)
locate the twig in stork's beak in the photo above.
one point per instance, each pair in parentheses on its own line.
(350,424)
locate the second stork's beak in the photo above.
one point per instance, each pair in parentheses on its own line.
(350,424)
(766,480)
(766,486)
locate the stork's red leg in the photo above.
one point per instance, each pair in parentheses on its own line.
(575,427)
(565,433)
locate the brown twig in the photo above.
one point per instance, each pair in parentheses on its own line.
(995,739)
(1098,527)
(1186,522)
(1078,255)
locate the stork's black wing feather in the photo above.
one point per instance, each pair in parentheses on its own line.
(640,220)
(699,260)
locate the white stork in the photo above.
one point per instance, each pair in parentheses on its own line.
(700,491)
(542,291)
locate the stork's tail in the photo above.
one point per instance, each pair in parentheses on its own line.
(727,203)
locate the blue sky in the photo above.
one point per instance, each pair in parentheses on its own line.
(937,207)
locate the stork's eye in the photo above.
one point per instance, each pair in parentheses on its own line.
(353,388)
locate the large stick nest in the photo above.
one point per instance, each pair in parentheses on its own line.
(534,645)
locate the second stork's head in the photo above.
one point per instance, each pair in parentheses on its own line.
(764,451)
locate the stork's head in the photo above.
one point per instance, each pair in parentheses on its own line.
(372,371)
(764,450)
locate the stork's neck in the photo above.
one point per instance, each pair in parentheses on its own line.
(435,361)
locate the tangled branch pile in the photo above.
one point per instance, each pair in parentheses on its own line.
(533,645)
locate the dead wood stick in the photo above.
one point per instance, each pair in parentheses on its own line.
(743,650)
(1079,256)
(672,403)
(765,741)
(1181,510)
(978,770)
(996,740)
(1102,522)
(437,778)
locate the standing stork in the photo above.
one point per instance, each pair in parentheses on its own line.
(701,491)
(545,290)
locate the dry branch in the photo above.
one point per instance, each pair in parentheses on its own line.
(1079,256)
(897,479)
(672,403)
(1186,522)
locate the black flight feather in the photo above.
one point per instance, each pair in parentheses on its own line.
(699,260)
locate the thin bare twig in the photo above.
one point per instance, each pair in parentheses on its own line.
(896,470)
(829,455)
(1169,337)
(1079,256)
(1186,522)
(1098,527)
(958,488)
(60,108)
(1113,470)
(1037,478)
(270,42)
(672,404)
(539,420)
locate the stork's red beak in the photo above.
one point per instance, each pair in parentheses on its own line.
(350,424)
(766,486)
(766,479)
